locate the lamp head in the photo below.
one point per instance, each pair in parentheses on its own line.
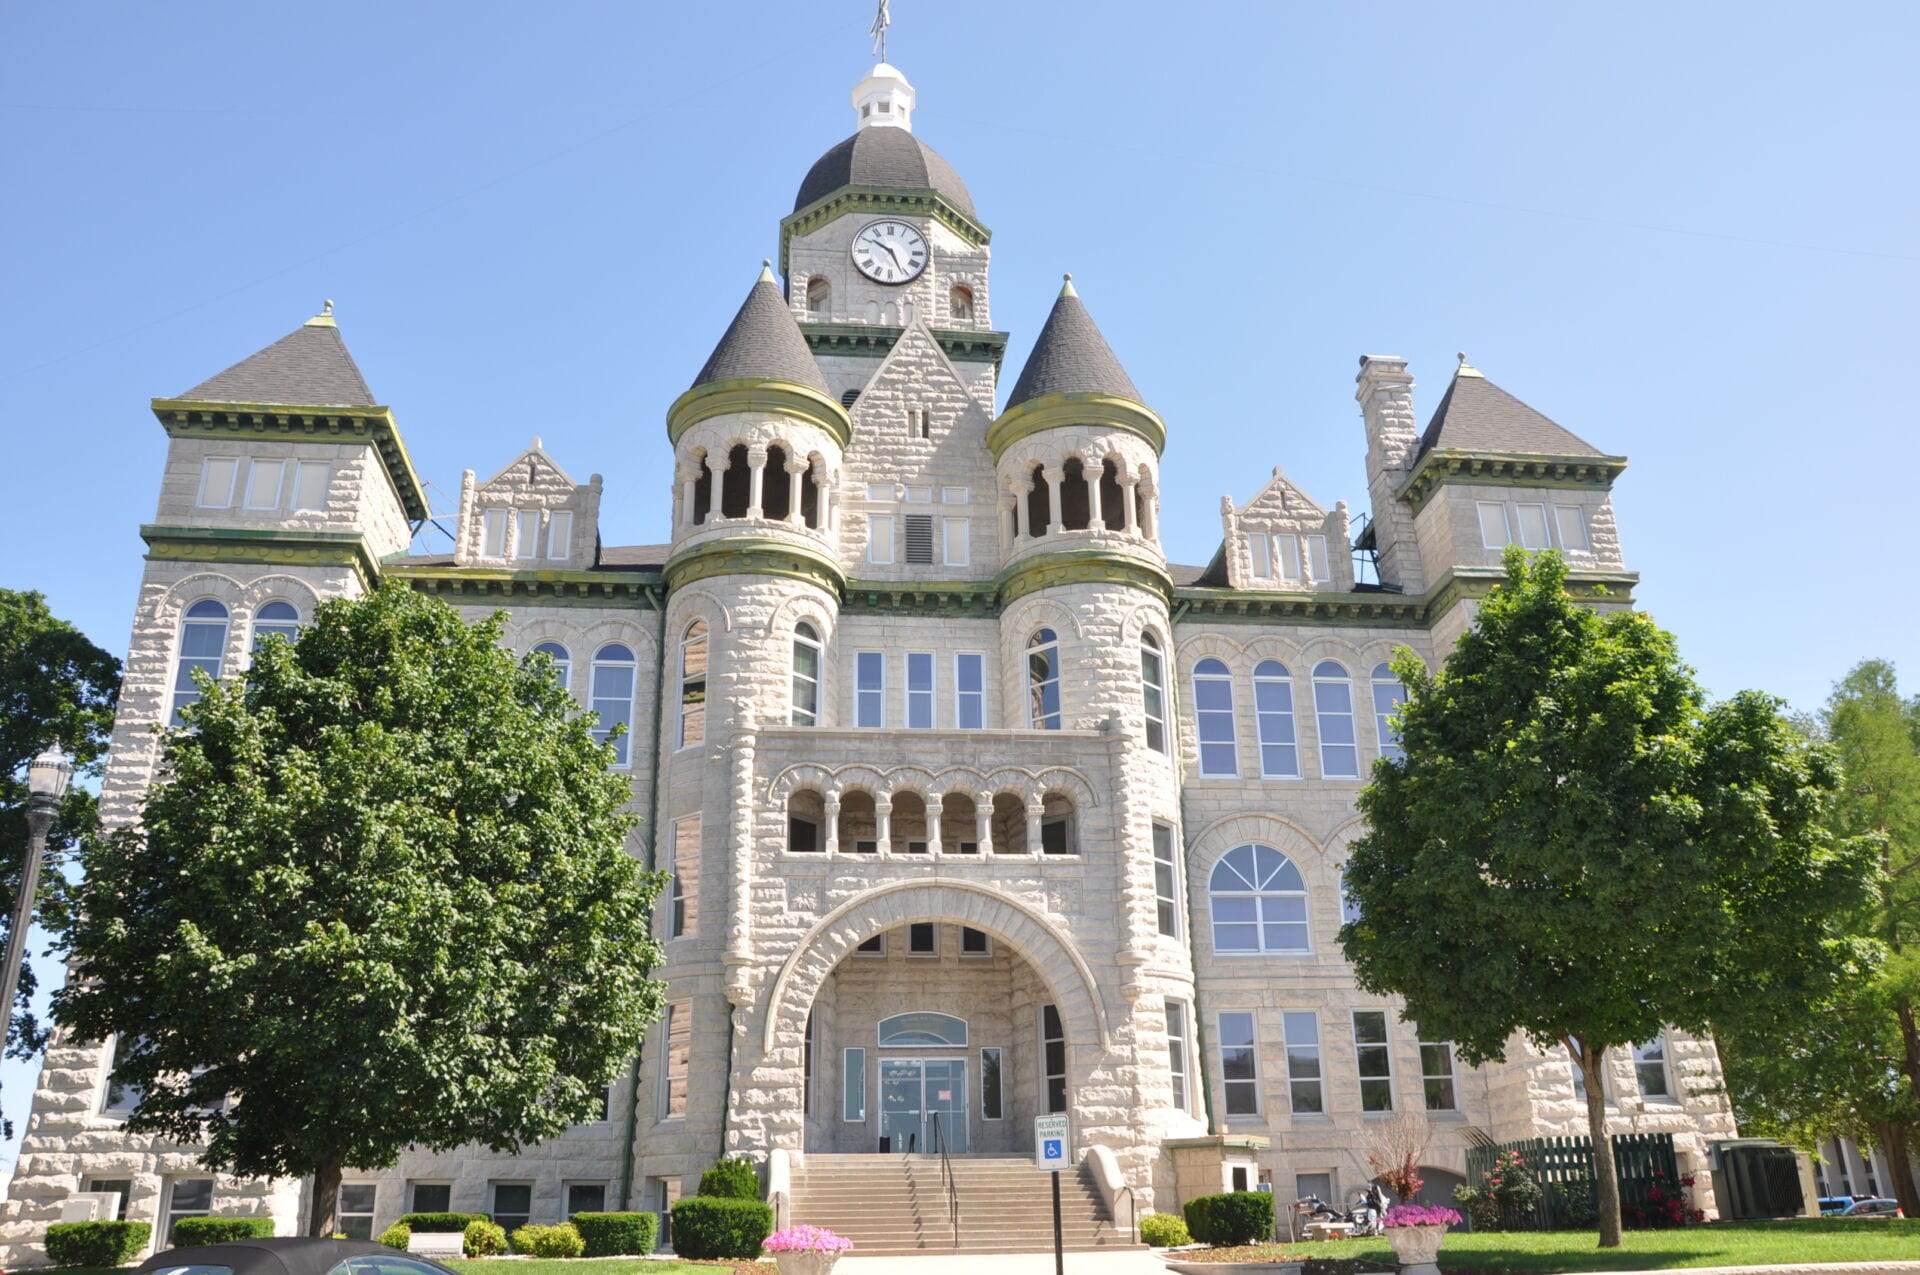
(47,774)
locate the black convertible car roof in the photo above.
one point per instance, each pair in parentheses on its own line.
(286,1255)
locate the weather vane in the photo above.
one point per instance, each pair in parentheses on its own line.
(881,21)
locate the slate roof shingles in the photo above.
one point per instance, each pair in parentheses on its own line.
(308,367)
(1478,416)
(763,342)
(883,157)
(1071,357)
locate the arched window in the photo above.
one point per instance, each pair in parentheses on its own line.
(1153,690)
(1388,695)
(1074,506)
(562,662)
(925,1027)
(819,294)
(1113,507)
(776,491)
(693,684)
(736,483)
(1039,501)
(1057,832)
(960,302)
(806,818)
(1333,707)
(806,676)
(276,619)
(1259,902)
(1043,680)
(702,488)
(1213,715)
(1273,710)
(613,677)
(203,644)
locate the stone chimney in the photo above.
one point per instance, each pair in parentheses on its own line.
(1385,391)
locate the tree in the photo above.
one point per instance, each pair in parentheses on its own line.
(1578,848)
(380,897)
(57,689)
(1853,1068)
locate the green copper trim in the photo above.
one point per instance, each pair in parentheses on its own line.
(754,394)
(1380,609)
(263,546)
(1106,411)
(232,422)
(1464,584)
(1508,469)
(910,200)
(540,588)
(941,597)
(863,340)
(754,555)
(1080,566)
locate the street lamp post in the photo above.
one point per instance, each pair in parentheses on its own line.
(47,777)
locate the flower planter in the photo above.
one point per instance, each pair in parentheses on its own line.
(814,1263)
(1417,1247)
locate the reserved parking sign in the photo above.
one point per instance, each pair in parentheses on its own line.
(1050,1142)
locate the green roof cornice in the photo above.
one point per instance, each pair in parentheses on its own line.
(1508,469)
(1381,609)
(874,340)
(911,200)
(1106,411)
(923,597)
(1047,570)
(755,555)
(756,394)
(263,546)
(541,588)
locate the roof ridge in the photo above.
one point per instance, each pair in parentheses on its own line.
(309,367)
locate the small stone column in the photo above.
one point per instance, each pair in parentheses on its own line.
(1010,509)
(933,824)
(1053,479)
(831,831)
(983,822)
(883,824)
(829,502)
(716,483)
(1091,476)
(1128,483)
(689,479)
(1035,808)
(795,467)
(756,481)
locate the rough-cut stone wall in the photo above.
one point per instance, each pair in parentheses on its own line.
(359,495)
(532,481)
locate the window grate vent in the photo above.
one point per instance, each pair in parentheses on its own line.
(920,538)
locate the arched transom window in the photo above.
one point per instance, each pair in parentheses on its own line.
(1388,694)
(1043,680)
(613,677)
(1273,708)
(562,662)
(693,684)
(1259,902)
(1153,691)
(806,675)
(1333,708)
(924,1027)
(1213,715)
(276,619)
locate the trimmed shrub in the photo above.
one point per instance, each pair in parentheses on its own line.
(397,1236)
(96,1243)
(618,1234)
(706,1226)
(1237,1217)
(731,1179)
(1164,1230)
(219,1230)
(441,1223)
(483,1239)
(548,1241)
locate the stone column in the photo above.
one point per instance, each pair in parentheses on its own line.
(883,824)
(1091,476)
(1034,809)
(739,955)
(1053,478)
(756,481)
(983,822)
(933,824)
(1010,507)
(795,467)
(1128,483)
(716,483)
(829,503)
(831,826)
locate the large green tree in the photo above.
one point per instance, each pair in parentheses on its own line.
(380,897)
(1578,848)
(57,689)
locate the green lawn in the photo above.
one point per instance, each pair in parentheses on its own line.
(527,1266)
(1720,1244)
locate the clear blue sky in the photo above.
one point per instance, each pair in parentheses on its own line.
(1684,232)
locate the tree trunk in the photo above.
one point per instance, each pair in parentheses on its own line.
(1903,1010)
(1896,1142)
(326,1194)
(1606,1178)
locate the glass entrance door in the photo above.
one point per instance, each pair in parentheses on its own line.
(912,1091)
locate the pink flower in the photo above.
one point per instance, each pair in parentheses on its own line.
(1421,1215)
(807,1239)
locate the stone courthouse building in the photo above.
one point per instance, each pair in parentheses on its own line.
(976,807)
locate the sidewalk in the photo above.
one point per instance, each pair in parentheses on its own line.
(1120,1262)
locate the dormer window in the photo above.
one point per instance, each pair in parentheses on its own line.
(494,537)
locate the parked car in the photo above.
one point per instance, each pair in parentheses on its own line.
(289,1255)
(1832,1204)
(1868,1206)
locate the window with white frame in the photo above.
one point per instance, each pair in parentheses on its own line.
(1650,1069)
(920,690)
(1260,555)
(203,646)
(263,483)
(562,662)
(526,534)
(512,1205)
(685,918)
(974,942)
(869,688)
(1333,712)
(970,690)
(614,673)
(806,676)
(953,495)
(1494,530)
(956,542)
(1374,1058)
(1286,554)
(1349,905)
(853,1085)
(559,534)
(354,1214)
(1153,690)
(1177,1051)
(122,1187)
(880,539)
(1316,1186)
(1258,902)
(1053,1055)
(119,1097)
(1043,680)
(187,1197)
(217,474)
(1273,714)
(1306,1092)
(1213,718)
(1580,1081)
(1389,693)
(1533,526)
(493,533)
(310,481)
(275,619)
(1319,570)
(1436,1075)
(1571,521)
(675,1060)
(1166,880)
(923,939)
(693,684)
(1239,1065)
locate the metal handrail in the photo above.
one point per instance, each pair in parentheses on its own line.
(1133,1220)
(946,1176)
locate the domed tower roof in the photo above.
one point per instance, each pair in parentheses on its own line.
(1071,357)
(884,152)
(763,343)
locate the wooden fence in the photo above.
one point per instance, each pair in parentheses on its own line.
(1564,1168)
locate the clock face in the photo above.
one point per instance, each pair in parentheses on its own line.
(890,252)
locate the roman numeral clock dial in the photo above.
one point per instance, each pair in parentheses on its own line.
(890,252)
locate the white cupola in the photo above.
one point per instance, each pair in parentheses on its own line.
(884,99)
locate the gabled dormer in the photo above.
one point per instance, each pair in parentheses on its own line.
(529,516)
(1283,539)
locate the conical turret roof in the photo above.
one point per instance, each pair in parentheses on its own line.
(763,343)
(308,367)
(1071,357)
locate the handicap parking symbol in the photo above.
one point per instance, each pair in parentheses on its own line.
(1053,1150)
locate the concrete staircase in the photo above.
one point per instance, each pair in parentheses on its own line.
(893,1205)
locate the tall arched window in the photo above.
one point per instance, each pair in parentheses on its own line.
(1333,708)
(806,676)
(960,302)
(1043,680)
(1259,902)
(613,678)
(819,294)
(1388,694)
(1273,711)
(276,619)
(1213,715)
(203,644)
(693,684)
(1153,690)
(562,662)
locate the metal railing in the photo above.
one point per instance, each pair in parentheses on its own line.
(946,1177)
